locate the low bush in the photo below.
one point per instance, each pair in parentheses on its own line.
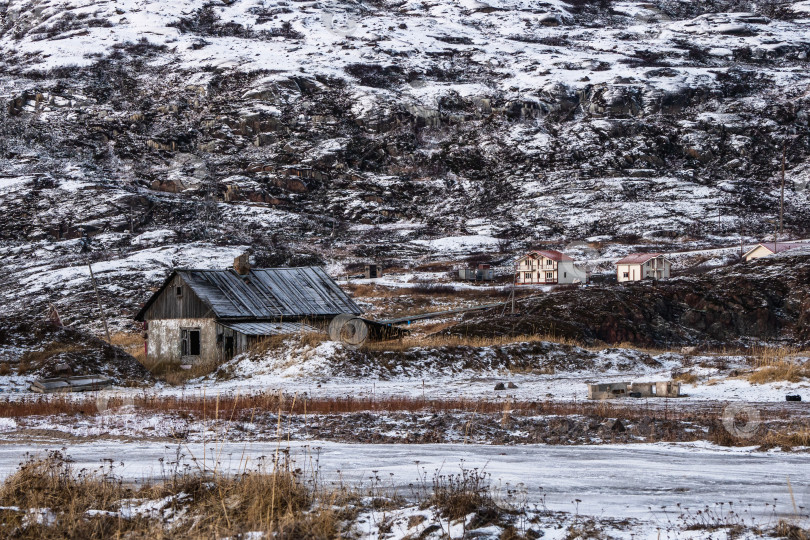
(457,495)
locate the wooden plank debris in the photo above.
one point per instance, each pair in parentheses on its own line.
(78,383)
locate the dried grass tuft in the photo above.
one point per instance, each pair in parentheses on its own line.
(686,378)
(131,343)
(457,495)
(82,504)
(783,370)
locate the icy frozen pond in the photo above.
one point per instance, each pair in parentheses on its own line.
(633,481)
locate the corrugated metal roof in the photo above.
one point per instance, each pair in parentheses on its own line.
(638,258)
(270,292)
(270,328)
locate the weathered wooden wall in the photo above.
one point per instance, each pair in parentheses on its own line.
(169,306)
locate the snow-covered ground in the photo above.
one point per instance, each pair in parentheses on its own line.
(311,371)
(465,27)
(650,483)
(529,387)
(317,371)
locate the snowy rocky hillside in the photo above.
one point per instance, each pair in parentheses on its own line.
(180,133)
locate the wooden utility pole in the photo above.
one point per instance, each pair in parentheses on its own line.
(98,300)
(513,294)
(782,196)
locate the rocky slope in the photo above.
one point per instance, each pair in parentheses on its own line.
(180,133)
(41,349)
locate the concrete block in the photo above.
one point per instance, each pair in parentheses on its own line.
(643,389)
(607,390)
(667,389)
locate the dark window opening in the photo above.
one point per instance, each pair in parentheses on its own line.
(179,291)
(190,342)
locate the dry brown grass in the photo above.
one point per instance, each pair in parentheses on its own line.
(178,376)
(33,360)
(784,370)
(270,343)
(172,373)
(791,531)
(762,356)
(787,439)
(442,340)
(50,485)
(241,407)
(312,339)
(686,378)
(87,504)
(131,343)
(460,341)
(431,326)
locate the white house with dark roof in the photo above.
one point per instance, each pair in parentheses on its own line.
(638,266)
(766,249)
(548,267)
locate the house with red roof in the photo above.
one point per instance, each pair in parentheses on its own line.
(769,248)
(638,266)
(548,267)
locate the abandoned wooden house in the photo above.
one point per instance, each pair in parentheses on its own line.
(213,315)
(547,267)
(638,266)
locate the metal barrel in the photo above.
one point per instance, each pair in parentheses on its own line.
(348,329)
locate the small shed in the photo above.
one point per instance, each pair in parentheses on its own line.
(372,271)
(482,272)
